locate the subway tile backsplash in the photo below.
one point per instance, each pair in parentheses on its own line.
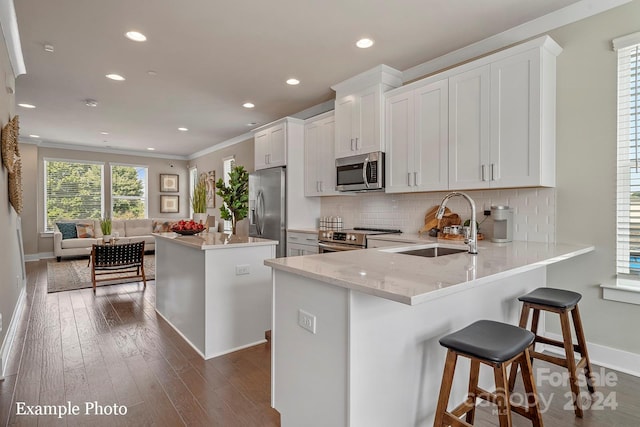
(534,210)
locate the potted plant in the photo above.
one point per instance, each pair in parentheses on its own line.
(199,201)
(105,226)
(235,196)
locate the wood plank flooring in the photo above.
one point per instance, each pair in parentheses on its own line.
(112,348)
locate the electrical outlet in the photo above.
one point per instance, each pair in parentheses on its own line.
(242,269)
(307,321)
(487,212)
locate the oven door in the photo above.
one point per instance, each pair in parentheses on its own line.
(325,248)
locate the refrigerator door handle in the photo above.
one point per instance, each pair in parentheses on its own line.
(260,212)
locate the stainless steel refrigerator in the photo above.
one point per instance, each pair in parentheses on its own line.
(267,206)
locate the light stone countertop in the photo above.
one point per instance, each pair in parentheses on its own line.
(206,241)
(413,279)
(303,230)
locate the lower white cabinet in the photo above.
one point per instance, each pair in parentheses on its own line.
(301,243)
(319,159)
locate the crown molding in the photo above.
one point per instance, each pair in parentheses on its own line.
(220,146)
(79,147)
(9,24)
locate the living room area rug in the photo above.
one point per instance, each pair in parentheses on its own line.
(71,274)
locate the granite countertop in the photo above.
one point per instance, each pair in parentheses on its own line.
(207,241)
(413,279)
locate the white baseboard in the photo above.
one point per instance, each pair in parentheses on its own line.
(38,257)
(11,331)
(620,360)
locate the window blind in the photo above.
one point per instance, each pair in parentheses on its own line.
(73,190)
(628,179)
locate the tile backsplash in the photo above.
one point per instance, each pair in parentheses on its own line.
(534,210)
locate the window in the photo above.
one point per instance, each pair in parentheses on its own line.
(73,189)
(128,191)
(193,180)
(229,163)
(628,191)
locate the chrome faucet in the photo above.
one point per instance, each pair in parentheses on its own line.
(472,240)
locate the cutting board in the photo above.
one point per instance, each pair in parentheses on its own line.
(430,220)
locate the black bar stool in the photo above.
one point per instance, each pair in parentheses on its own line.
(497,345)
(562,302)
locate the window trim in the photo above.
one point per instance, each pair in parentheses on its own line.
(227,225)
(146,187)
(45,160)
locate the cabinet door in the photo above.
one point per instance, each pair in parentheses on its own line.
(277,145)
(261,147)
(326,163)
(399,131)
(469,129)
(344,143)
(366,126)
(515,121)
(312,163)
(431,152)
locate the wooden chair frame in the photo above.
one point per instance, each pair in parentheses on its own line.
(117,259)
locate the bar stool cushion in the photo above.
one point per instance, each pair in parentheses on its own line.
(552,297)
(489,340)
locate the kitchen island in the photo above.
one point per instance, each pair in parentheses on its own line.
(355,334)
(214,289)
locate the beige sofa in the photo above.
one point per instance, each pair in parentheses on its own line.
(129,230)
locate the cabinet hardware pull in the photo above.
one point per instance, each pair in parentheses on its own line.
(493,175)
(352,144)
(409,179)
(357,140)
(483,174)
(321,190)
(415,179)
(266,162)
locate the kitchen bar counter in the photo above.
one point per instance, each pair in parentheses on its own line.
(356,333)
(214,289)
(413,279)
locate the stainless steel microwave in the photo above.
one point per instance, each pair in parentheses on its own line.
(364,172)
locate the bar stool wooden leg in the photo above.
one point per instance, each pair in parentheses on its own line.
(502,395)
(582,344)
(524,319)
(571,362)
(530,390)
(445,389)
(473,390)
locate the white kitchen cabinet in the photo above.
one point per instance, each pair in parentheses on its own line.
(302,243)
(319,159)
(416,131)
(502,120)
(271,146)
(359,111)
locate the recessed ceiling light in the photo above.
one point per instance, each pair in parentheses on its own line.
(116,77)
(251,124)
(136,36)
(26,106)
(150,148)
(364,43)
(183,129)
(34,136)
(104,133)
(152,73)
(293,82)
(90,102)
(248,105)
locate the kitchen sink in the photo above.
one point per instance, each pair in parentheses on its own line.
(430,252)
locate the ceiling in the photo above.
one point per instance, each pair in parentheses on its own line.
(210,57)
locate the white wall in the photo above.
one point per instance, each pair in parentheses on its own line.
(586,172)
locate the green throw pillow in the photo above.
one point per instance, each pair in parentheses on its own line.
(68,230)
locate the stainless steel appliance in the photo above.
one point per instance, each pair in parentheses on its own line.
(364,172)
(502,224)
(267,206)
(348,240)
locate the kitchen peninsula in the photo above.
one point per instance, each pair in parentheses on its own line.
(356,333)
(214,289)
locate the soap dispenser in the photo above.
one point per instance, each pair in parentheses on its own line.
(502,224)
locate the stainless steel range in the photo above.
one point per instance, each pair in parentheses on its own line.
(348,240)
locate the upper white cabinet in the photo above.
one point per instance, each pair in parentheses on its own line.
(271,146)
(359,115)
(502,119)
(319,159)
(416,133)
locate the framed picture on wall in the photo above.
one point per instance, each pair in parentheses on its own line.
(169,204)
(169,182)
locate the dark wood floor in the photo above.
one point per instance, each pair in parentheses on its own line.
(113,348)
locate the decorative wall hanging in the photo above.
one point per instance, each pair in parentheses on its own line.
(169,204)
(169,182)
(210,179)
(10,152)
(11,160)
